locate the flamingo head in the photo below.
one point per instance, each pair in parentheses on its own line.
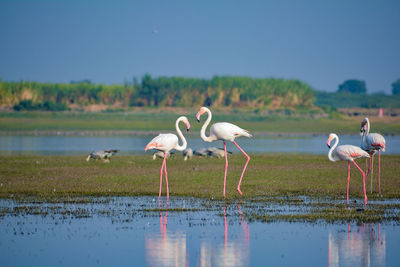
(328,142)
(185,120)
(201,112)
(363,127)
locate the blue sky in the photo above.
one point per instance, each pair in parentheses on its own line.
(319,42)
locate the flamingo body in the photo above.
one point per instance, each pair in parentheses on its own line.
(348,153)
(226,131)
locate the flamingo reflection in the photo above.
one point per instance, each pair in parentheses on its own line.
(234,252)
(166,249)
(363,246)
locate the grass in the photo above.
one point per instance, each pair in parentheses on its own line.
(156,120)
(267,175)
(271,183)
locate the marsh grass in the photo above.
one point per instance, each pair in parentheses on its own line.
(267,175)
(156,120)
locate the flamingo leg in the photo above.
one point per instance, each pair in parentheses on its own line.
(226,166)
(348,181)
(372,169)
(166,174)
(245,165)
(379,170)
(365,194)
(369,170)
(161,173)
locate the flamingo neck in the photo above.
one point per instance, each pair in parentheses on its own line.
(184,144)
(366,132)
(330,156)
(204,127)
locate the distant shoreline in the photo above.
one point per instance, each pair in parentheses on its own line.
(149,132)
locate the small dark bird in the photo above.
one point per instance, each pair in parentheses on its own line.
(103,155)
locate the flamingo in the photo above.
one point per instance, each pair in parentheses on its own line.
(167,142)
(348,153)
(372,142)
(224,131)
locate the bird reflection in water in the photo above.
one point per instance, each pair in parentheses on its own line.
(364,245)
(166,249)
(235,250)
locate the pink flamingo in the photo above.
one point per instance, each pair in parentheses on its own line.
(167,142)
(348,153)
(224,131)
(372,142)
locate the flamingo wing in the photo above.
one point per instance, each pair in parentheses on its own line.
(228,131)
(350,152)
(163,142)
(375,141)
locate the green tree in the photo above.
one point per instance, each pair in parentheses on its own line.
(353,86)
(396,87)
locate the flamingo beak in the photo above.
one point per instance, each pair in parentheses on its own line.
(198,116)
(187,126)
(328,143)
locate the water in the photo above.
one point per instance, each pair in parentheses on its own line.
(78,145)
(133,231)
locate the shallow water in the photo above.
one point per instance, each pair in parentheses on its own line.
(82,145)
(134,231)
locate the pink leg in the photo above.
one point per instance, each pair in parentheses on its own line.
(365,194)
(161,172)
(379,170)
(244,169)
(369,170)
(226,166)
(348,181)
(372,169)
(166,175)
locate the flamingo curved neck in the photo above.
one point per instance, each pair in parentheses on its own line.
(366,132)
(184,143)
(330,156)
(204,127)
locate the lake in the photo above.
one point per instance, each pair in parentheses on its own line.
(82,145)
(141,231)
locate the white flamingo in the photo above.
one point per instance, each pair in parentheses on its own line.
(224,131)
(372,142)
(167,142)
(348,153)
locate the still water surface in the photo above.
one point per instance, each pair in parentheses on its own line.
(134,231)
(81,145)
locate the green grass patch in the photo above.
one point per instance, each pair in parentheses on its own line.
(156,120)
(267,175)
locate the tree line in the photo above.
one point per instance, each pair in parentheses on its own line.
(218,91)
(228,91)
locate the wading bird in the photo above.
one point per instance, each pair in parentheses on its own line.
(103,155)
(372,142)
(167,142)
(187,154)
(160,154)
(201,152)
(348,153)
(224,131)
(217,152)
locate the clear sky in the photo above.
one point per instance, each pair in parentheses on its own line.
(320,42)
